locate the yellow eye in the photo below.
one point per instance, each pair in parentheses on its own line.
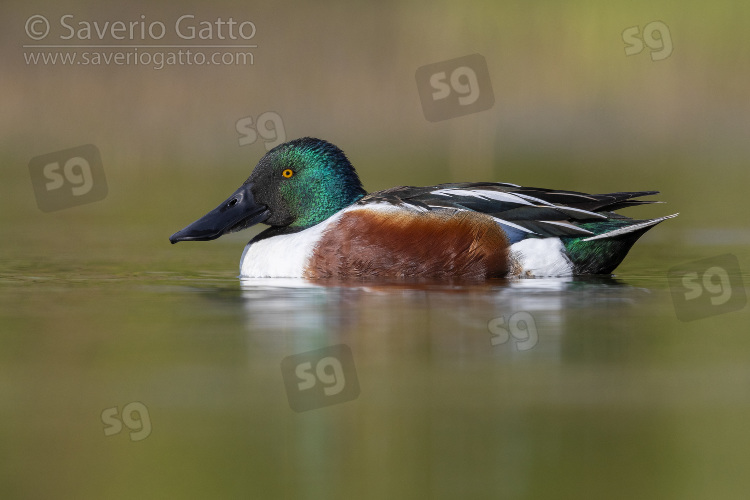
(287,173)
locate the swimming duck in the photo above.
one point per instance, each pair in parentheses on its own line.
(323,224)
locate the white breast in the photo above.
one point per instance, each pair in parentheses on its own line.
(282,256)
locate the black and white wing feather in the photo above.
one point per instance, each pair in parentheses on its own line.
(522,211)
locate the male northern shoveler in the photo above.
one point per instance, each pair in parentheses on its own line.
(324,224)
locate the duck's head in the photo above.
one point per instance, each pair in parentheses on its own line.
(296,185)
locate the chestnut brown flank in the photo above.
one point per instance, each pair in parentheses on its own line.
(364,243)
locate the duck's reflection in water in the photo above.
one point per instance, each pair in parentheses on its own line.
(456,320)
(453,376)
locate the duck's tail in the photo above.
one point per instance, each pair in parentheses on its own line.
(612,239)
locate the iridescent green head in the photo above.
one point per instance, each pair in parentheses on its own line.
(304,181)
(294,186)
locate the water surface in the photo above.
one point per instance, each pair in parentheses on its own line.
(595,390)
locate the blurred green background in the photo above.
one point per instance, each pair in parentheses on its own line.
(571,109)
(97,309)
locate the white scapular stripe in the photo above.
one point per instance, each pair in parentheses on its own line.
(568,225)
(483,194)
(593,215)
(629,229)
(515,226)
(531,198)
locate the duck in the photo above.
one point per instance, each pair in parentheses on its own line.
(324,225)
